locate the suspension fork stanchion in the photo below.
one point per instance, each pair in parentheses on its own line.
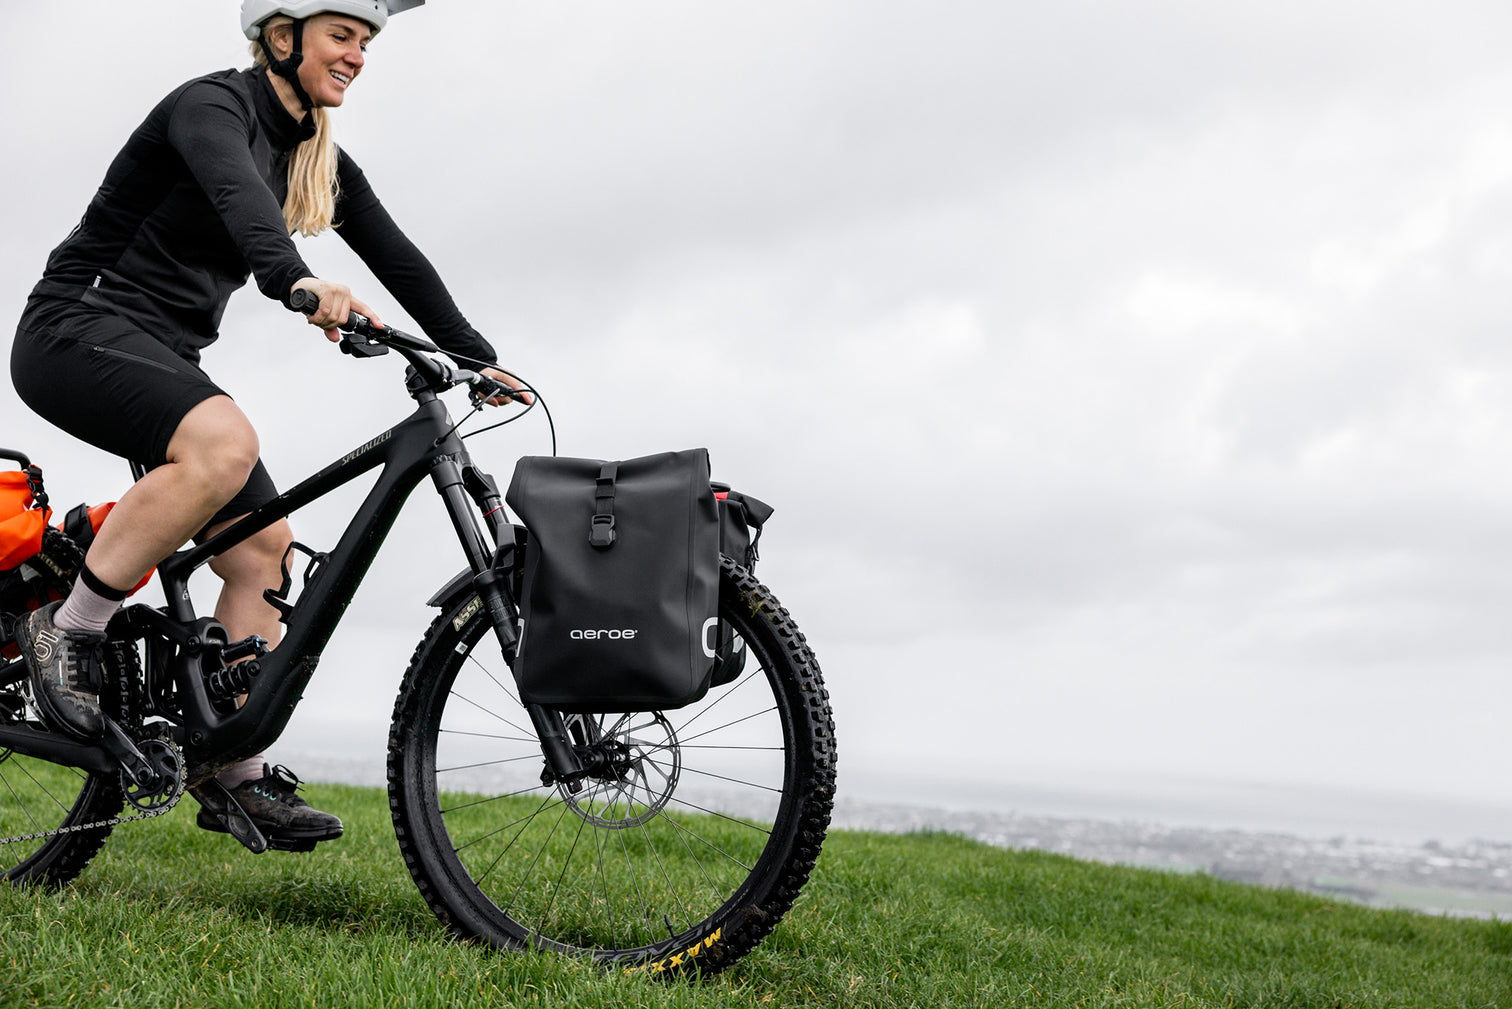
(447,476)
(485,491)
(561,759)
(490,582)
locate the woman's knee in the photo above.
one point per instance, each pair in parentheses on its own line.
(217,444)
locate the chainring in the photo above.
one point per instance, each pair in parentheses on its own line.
(167,761)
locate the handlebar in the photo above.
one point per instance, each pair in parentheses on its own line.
(363,339)
(302,300)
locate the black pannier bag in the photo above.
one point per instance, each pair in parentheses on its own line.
(620,600)
(741,518)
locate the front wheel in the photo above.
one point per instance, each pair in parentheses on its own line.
(682,851)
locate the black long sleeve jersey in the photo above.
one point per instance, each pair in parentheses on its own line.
(192,206)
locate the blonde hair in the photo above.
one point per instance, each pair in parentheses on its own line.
(311,204)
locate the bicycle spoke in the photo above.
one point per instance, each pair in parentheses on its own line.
(488,735)
(706,746)
(485,763)
(728,692)
(492,798)
(557,888)
(717,728)
(734,781)
(489,673)
(534,859)
(26,771)
(671,884)
(526,821)
(635,881)
(22,805)
(705,841)
(680,834)
(598,840)
(722,816)
(490,712)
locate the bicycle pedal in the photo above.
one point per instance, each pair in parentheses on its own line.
(297,846)
(220,804)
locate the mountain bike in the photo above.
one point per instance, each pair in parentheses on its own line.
(668,841)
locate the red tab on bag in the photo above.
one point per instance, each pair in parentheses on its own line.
(97,515)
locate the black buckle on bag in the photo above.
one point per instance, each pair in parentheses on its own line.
(34,485)
(601,534)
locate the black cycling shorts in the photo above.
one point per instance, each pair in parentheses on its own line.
(106,382)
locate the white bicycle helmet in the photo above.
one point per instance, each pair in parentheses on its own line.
(374,12)
(255,12)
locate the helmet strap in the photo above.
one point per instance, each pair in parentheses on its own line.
(288,69)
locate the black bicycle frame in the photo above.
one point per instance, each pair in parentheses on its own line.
(419,444)
(425,442)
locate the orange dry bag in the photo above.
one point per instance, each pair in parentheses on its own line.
(22,515)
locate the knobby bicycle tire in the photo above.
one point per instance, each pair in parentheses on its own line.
(684,858)
(36,796)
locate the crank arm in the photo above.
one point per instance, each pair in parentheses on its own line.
(119,745)
(223,806)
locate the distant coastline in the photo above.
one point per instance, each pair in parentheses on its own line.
(1473,878)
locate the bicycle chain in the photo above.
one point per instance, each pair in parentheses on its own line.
(112,823)
(128,660)
(57,564)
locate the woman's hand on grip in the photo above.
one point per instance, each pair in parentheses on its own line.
(510,381)
(336,302)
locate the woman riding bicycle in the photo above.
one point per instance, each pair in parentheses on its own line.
(205,192)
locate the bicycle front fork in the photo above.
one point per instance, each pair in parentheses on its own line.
(561,760)
(451,480)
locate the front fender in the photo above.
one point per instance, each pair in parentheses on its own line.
(461,582)
(505,561)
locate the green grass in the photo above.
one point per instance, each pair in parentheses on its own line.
(169,915)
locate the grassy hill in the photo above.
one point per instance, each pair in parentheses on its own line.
(172,916)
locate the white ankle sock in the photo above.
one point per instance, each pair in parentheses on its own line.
(247,770)
(85,609)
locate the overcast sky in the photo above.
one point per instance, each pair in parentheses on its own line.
(1132,381)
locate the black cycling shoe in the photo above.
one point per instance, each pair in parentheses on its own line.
(287,821)
(66,669)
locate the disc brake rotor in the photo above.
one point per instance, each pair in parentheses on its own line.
(643,762)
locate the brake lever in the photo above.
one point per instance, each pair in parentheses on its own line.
(357,337)
(482,388)
(361,346)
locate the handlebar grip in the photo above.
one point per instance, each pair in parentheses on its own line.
(304,300)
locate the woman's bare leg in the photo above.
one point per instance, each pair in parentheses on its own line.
(247,569)
(209,458)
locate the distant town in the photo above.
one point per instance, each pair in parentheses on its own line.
(1470,879)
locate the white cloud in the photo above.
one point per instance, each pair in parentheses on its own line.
(1133,378)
